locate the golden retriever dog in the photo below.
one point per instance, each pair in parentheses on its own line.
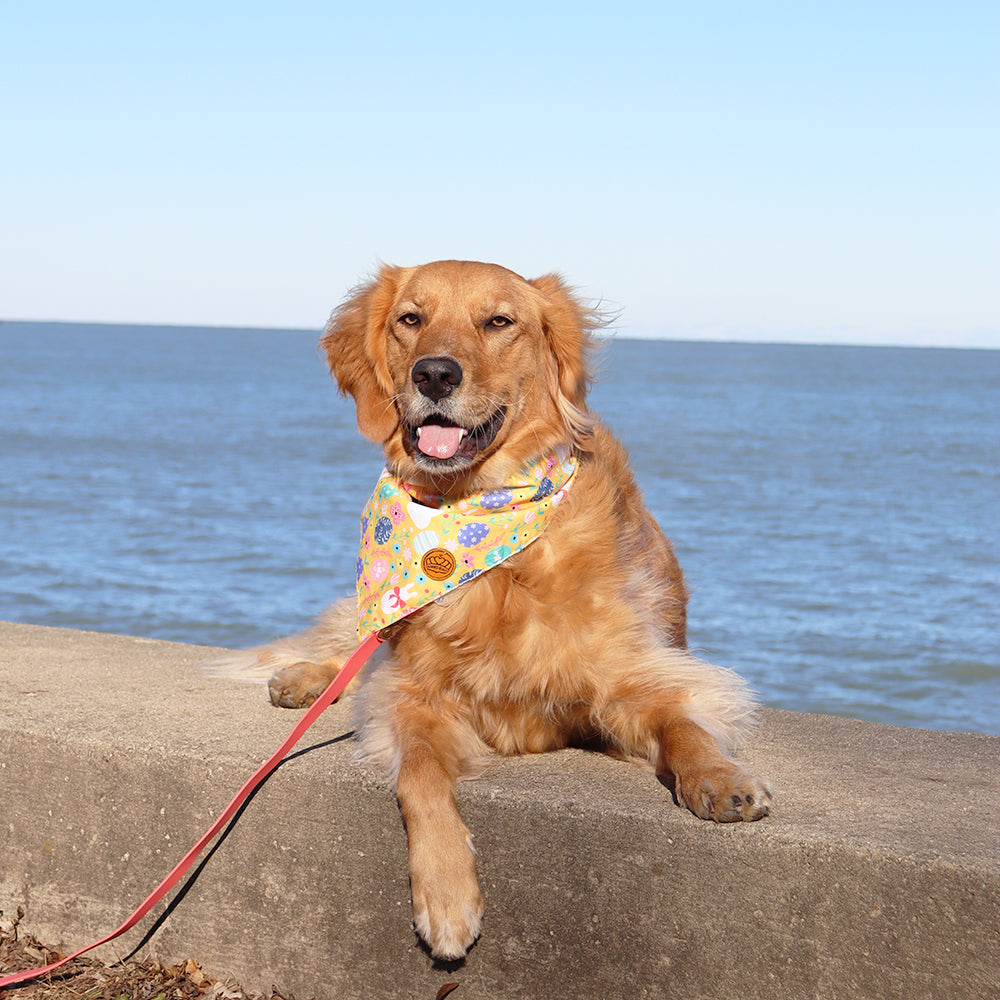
(465,374)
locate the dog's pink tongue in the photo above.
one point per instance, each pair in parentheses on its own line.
(439,442)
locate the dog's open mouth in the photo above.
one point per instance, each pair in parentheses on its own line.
(443,440)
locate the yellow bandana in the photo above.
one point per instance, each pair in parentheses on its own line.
(417,546)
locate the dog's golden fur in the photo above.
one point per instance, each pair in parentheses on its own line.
(580,637)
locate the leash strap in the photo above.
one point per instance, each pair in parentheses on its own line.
(332,692)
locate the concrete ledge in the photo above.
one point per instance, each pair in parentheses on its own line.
(877,876)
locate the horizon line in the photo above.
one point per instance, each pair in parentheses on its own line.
(637,333)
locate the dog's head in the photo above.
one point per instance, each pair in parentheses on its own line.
(462,371)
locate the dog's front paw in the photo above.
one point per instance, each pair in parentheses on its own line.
(447,910)
(298,685)
(726,796)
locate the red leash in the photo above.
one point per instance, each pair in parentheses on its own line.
(332,692)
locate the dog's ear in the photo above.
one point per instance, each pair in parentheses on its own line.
(354,343)
(568,325)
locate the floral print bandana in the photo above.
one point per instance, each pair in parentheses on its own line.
(417,546)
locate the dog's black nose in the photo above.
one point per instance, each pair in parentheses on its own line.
(435,378)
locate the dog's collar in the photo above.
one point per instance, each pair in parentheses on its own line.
(417,546)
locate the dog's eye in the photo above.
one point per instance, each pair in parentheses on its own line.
(410,319)
(499,323)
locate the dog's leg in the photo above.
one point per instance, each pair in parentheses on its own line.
(711,786)
(684,733)
(447,905)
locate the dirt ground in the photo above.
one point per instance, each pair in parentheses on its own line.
(87,979)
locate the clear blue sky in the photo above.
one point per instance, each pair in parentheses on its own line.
(779,171)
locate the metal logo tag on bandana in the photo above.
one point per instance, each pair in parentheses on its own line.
(417,546)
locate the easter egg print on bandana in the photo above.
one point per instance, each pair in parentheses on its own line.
(417,546)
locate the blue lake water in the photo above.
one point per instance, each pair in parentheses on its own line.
(835,509)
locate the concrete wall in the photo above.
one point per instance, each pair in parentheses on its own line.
(877,875)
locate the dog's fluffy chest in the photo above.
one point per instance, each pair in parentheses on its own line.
(520,633)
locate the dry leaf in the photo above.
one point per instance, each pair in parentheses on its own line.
(193,971)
